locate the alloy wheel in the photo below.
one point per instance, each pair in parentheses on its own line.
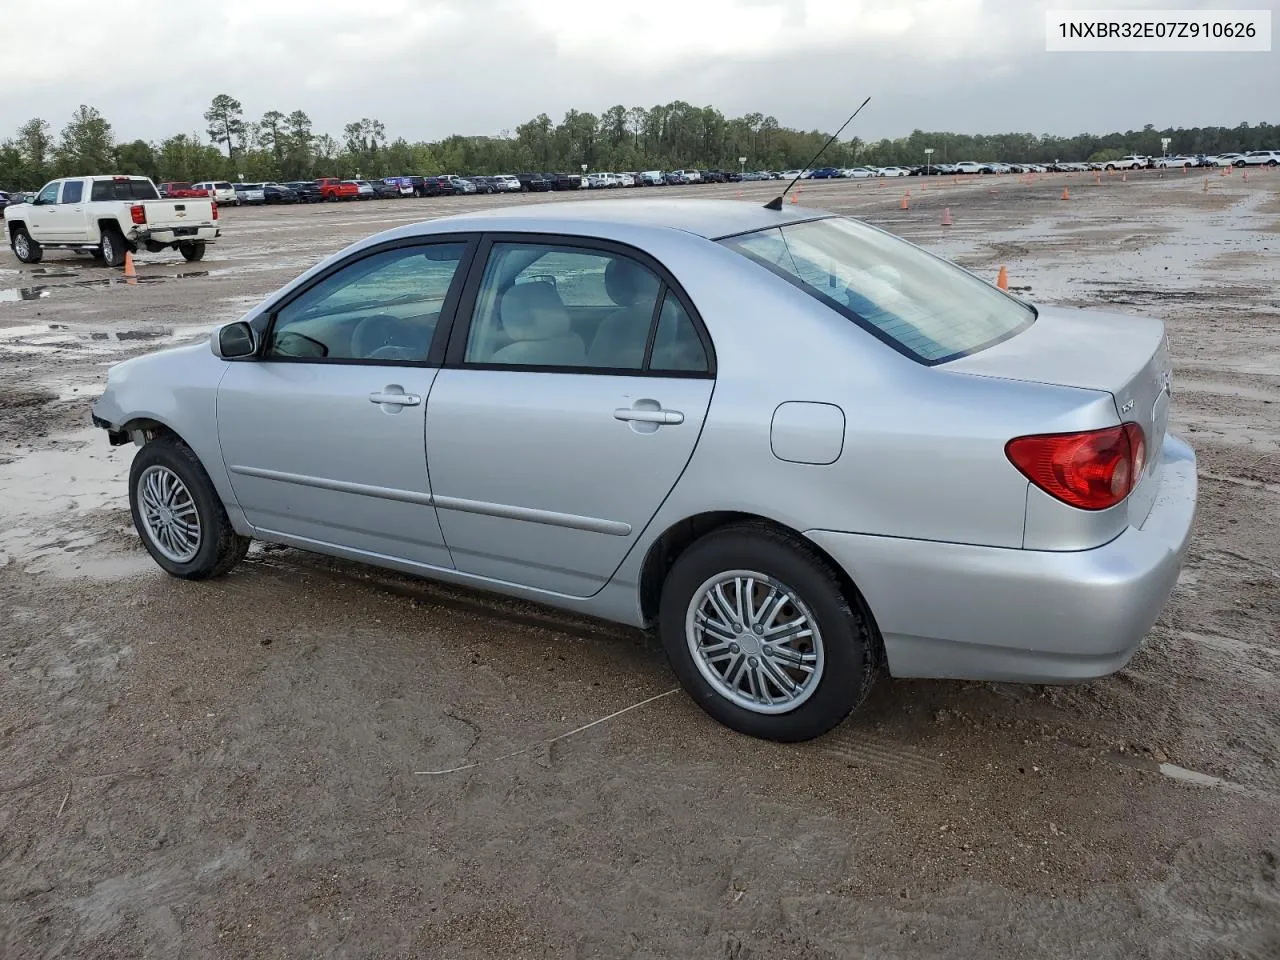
(755,641)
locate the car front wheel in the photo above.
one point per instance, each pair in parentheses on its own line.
(24,248)
(178,513)
(760,632)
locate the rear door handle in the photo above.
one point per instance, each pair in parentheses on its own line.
(642,415)
(396,399)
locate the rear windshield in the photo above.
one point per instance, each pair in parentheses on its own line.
(920,305)
(124,190)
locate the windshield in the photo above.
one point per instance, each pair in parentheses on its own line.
(921,305)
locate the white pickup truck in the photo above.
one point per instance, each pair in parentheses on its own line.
(107,216)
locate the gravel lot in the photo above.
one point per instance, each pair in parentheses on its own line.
(230,769)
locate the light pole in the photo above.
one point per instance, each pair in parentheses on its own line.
(928,160)
(742,164)
(1164,145)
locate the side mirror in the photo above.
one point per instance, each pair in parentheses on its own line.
(235,341)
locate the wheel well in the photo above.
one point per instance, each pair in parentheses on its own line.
(108,224)
(142,430)
(13,228)
(677,538)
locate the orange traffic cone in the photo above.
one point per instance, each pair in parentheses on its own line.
(1002,279)
(906,200)
(1097,179)
(1066,194)
(1186,169)
(795,198)
(130,273)
(1244,175)
(1124,175)
(946,216)
(1205,189)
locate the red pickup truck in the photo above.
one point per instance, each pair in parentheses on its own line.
(181,191)
(331,188)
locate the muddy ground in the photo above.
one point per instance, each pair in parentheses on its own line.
(230,769)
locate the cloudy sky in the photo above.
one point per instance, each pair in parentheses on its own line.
(428,68)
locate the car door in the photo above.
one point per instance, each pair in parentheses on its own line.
(64,220)
(575,388)
(322,431)
(43,219)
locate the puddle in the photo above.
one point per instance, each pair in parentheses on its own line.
(16,294)
(36,338)
(65,510)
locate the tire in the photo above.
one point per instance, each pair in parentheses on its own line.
(845,648)
(112,247)
(191,252)
(1110,166)
(24,248)
(218,547)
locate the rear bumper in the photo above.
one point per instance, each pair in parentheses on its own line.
(957,611)
(169,236)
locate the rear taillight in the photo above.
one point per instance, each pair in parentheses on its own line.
(215,209)
(139,213)
(1092,470)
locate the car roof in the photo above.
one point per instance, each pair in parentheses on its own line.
(711,219)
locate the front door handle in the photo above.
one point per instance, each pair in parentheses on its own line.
(642,415)
(395,399)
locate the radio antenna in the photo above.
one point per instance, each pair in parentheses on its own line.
(776,202)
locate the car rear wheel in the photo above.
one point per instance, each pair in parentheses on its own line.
(757,627)
(191,252)
(24,248)
(112,247)
(179,515)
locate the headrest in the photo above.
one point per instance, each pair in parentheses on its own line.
(533,311)
(628,283)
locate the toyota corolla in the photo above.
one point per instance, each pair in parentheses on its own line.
(802,449)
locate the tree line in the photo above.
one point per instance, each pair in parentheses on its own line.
(285,146)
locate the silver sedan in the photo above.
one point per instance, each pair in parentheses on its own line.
(804,450)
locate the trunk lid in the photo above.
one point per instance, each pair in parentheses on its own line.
(1125,356)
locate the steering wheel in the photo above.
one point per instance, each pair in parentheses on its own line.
(378,332)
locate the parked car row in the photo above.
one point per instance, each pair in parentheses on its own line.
(334,188)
